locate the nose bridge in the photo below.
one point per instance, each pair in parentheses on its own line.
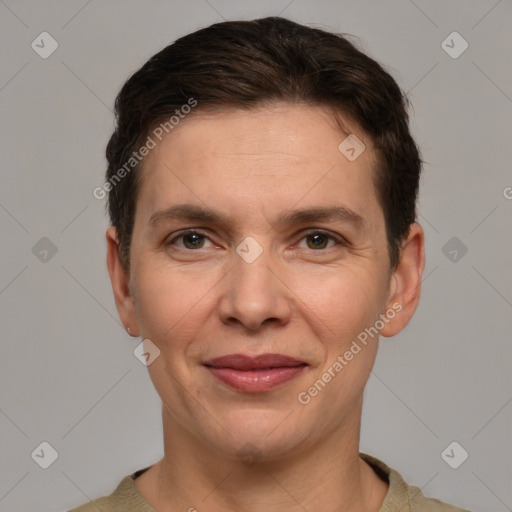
(255,293)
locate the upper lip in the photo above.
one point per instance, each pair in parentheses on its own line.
(245,362)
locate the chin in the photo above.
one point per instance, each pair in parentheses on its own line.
(255,434)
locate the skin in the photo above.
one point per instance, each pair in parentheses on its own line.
(294,299)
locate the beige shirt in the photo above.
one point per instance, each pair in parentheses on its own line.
(399,498)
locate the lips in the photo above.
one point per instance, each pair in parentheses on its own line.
(255,374)
(245,363)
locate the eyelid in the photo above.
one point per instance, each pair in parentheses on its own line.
(188,231)
(341,240)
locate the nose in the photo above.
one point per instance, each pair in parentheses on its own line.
(255,294)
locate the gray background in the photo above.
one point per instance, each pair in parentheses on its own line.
(68,374)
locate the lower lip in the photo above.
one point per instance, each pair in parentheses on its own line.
(256,381)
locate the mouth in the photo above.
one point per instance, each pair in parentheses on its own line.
(255,374)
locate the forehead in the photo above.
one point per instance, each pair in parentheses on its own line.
(262,159)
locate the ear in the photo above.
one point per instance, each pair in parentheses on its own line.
(405,285)
(120,280)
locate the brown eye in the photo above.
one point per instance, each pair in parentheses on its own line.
(190,240)
(317,241)
(193,241)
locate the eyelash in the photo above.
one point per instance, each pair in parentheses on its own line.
(339,240)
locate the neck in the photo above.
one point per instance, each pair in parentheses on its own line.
(326,476)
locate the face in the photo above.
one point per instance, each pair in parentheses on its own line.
(258,260)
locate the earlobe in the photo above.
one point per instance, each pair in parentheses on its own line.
(120,280)
(405,289)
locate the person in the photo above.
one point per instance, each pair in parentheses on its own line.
(261,183)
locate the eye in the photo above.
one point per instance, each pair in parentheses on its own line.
(317,240)
(191,240)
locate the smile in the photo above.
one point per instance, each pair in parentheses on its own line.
(255,374)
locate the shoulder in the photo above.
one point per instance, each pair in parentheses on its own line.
(420,503)
(125,498)
(402,496)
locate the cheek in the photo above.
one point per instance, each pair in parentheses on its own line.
(341,310)
(344,299)
(170,300)
(342,307)
(171,307)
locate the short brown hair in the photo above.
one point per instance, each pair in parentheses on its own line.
(243,64)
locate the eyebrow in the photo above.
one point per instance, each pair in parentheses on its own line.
(198,213)
(316,214)
(187,212)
